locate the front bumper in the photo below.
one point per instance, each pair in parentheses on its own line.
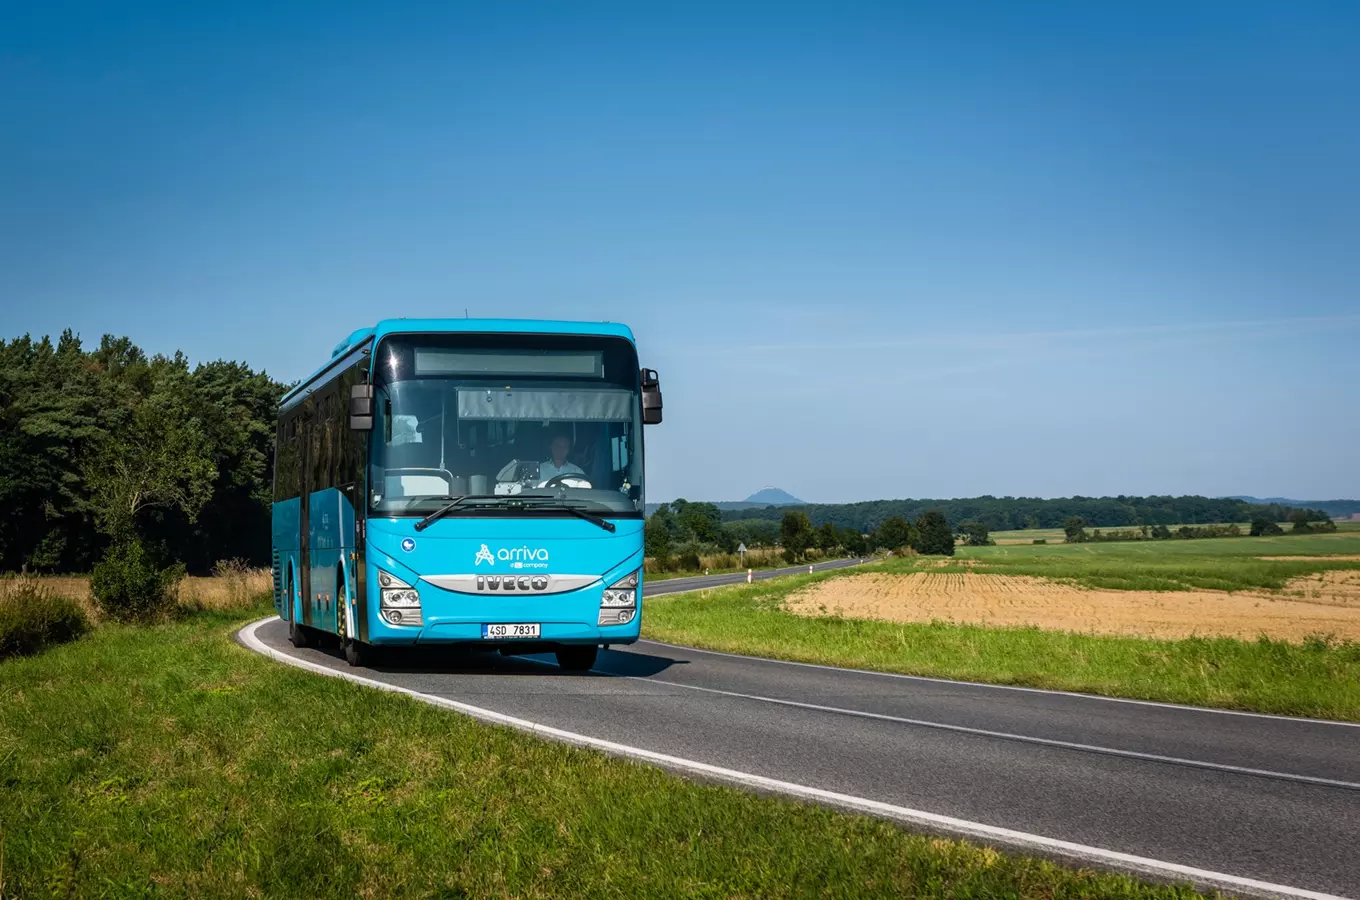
(454,617)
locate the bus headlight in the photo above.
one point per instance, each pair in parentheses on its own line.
(399,602)
(618,603)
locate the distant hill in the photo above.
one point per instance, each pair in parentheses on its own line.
(773,496)
(1334,508)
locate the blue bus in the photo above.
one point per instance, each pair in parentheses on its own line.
(465,482)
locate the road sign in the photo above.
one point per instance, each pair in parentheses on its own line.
(741,548)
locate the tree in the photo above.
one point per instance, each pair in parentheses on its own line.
(158,460)
(933,534)
(853,542)
(656,537)
(1075,529)
(894,533)
(976,533)
(795,534)
(700,521)
(828,538)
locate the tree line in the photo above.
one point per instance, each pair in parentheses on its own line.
(107,445)
(1015,513)
(682,530)
(1302,521)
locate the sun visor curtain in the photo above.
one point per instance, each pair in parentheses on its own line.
(545,405)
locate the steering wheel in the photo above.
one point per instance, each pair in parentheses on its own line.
(556,480)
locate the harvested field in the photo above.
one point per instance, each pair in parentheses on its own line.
(1326,603)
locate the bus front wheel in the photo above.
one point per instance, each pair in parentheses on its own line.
(577,659)
(359,654)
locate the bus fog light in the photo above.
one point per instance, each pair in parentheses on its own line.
(411,617)
(616,616)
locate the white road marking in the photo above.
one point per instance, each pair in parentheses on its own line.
(1184,707)
(977,830)
(1005,735)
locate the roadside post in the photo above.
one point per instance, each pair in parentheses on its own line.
(750,576)
(741,552)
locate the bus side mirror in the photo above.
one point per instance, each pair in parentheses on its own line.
(651,397)
(361,407)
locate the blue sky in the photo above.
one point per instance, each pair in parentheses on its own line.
(875,250)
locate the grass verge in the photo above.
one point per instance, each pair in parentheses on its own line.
(1319,678)
(167,760)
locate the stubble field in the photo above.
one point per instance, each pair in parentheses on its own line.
(1324,603)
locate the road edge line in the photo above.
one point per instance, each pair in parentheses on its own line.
(988,833)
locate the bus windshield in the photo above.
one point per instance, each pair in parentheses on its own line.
(505,416)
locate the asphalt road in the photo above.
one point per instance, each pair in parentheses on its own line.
(1270,799)
(677,585)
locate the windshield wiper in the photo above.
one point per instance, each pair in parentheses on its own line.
(450,507)
(576,511)
(514,501)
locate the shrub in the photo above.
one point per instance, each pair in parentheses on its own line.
(33,617)
(1041,540)
(130,585)
(689,561)
(1263,526)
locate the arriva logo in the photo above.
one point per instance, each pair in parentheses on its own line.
(517,557)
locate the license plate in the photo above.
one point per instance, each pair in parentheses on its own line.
(510,630)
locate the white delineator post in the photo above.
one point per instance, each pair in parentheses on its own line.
(750,576)
(809,570)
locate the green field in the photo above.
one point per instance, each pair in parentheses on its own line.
(1320,677)
(168,761)
(1227,564)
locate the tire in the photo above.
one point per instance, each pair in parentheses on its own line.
(359,654)
(300,636)
(578,658)
(341,609)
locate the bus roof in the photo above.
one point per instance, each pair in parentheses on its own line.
(455,326)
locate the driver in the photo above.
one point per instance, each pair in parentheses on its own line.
(557,464)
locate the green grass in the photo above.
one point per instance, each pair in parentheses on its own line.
(166,760)
(1318,678)
(1226,564)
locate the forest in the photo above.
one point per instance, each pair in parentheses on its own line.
(108,441)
